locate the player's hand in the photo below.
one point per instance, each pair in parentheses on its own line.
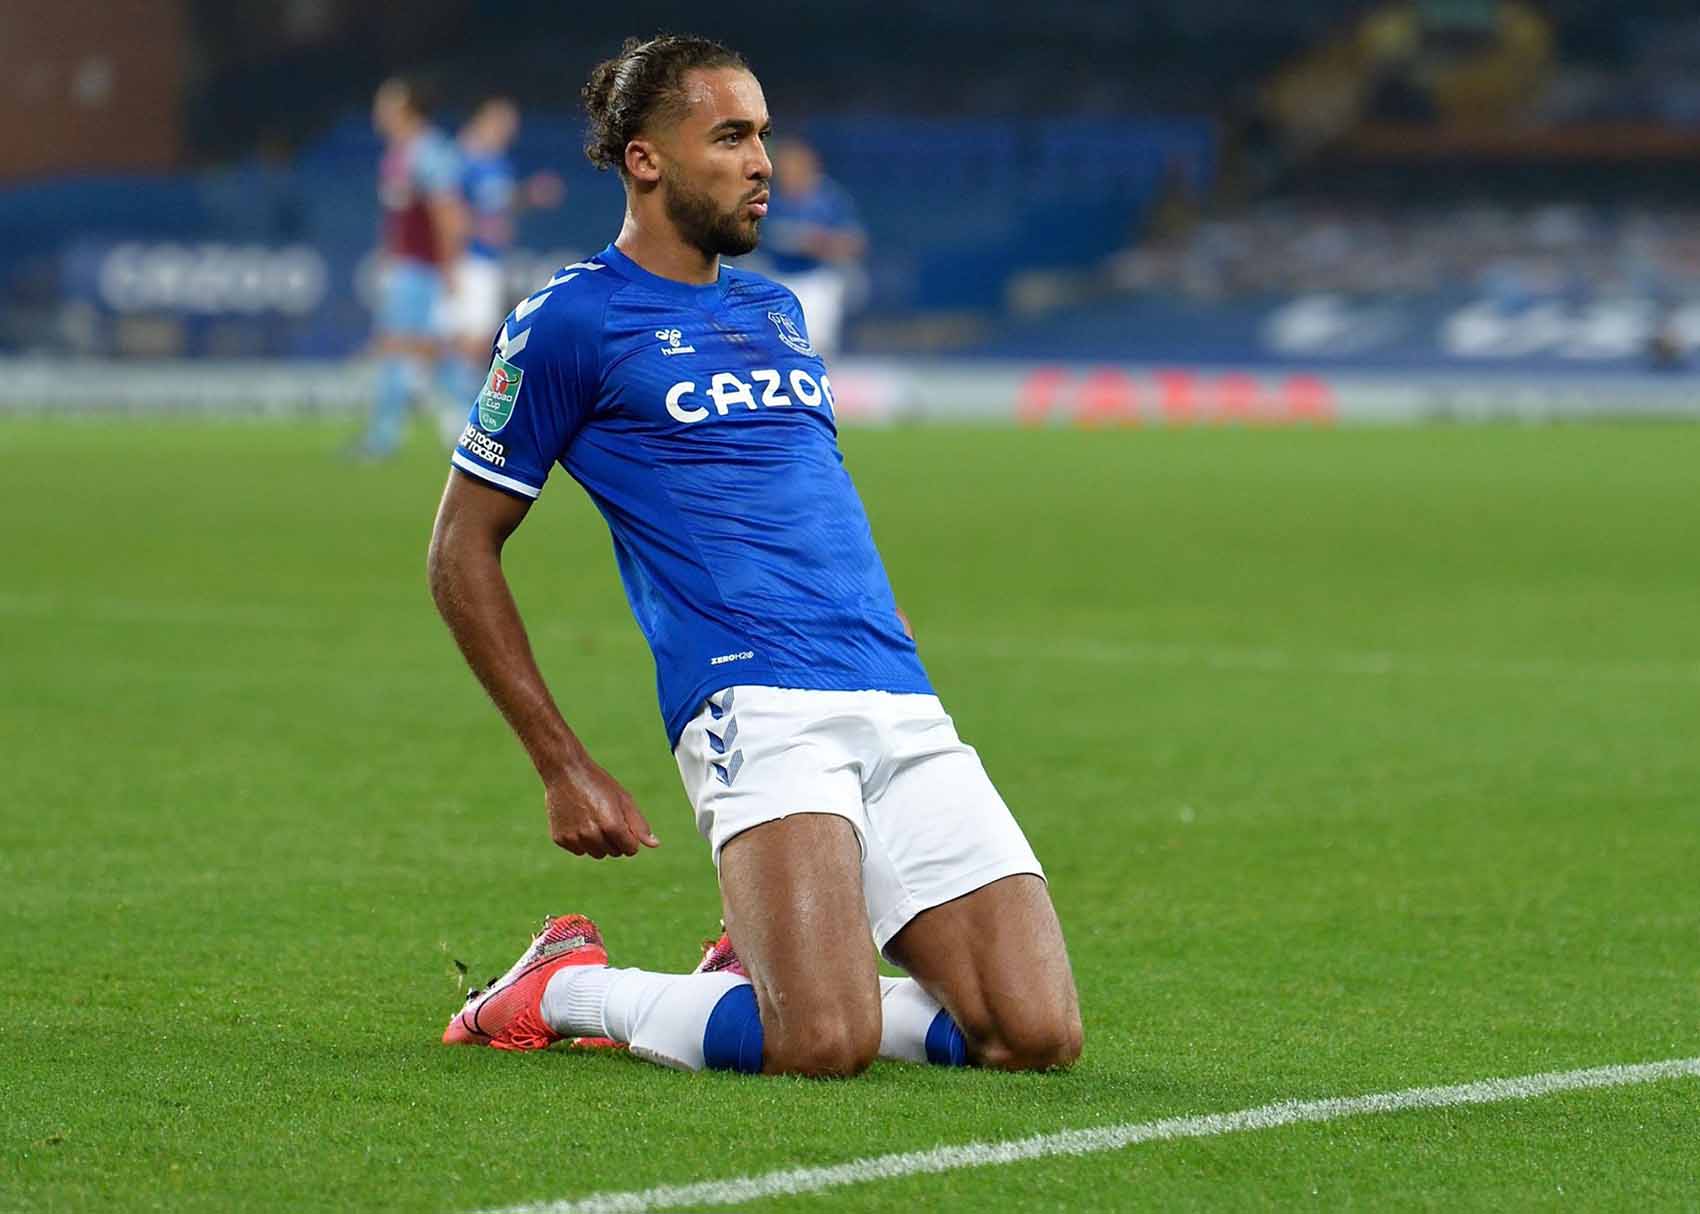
(908,628)
(590,814)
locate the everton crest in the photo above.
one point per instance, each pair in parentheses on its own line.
(790,334)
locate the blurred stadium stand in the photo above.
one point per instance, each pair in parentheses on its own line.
(1330,190)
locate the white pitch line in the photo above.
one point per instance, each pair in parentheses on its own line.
(793,1181)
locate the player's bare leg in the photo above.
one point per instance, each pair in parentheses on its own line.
(404,363)
(995,959)
(809,1005)
(794,905)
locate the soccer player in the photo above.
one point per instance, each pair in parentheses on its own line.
(836,798)
(493,191)
(424,226)
(813,240)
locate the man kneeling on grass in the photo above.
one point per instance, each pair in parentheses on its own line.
(832,788)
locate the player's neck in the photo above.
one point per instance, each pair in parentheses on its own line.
(662,253)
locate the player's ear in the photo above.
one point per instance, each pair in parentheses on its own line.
(642,163)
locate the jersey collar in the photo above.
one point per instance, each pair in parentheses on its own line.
(685,292)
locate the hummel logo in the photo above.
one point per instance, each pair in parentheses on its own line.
(672,338)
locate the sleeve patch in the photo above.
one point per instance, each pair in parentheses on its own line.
(496,399)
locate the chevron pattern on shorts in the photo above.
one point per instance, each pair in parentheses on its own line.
(728,771)
(722,743)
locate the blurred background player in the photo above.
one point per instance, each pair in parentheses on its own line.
(814,241)
(478,299)
(423,230)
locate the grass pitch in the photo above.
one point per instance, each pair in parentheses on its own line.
(1359,760)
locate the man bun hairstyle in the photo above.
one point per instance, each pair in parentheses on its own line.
(643,83)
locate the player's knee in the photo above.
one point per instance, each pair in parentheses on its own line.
(826,1046)
(1047,1041)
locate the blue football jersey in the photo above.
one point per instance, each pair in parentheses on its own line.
(489,183)
(790,216)
(700,421)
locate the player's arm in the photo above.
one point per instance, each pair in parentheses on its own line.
(449,223)
(439,174)
(590,814)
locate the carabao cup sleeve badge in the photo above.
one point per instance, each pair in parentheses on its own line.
(501,390)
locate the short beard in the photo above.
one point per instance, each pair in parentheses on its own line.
(713,232)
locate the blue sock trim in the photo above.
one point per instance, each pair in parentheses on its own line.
(732,1040)
(945,1044)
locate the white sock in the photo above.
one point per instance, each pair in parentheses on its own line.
(661,1016)
(572,1002)
(906,1014)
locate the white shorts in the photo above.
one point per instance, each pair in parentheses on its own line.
(931,826)
(475,306)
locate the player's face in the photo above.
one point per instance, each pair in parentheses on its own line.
(385,108)
(392,112)
(715,173)
(499,123)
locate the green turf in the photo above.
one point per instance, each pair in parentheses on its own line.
(1359,760)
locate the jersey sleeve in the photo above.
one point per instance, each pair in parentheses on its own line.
(840,212)
(493,192)
(437,166)
(540,388)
